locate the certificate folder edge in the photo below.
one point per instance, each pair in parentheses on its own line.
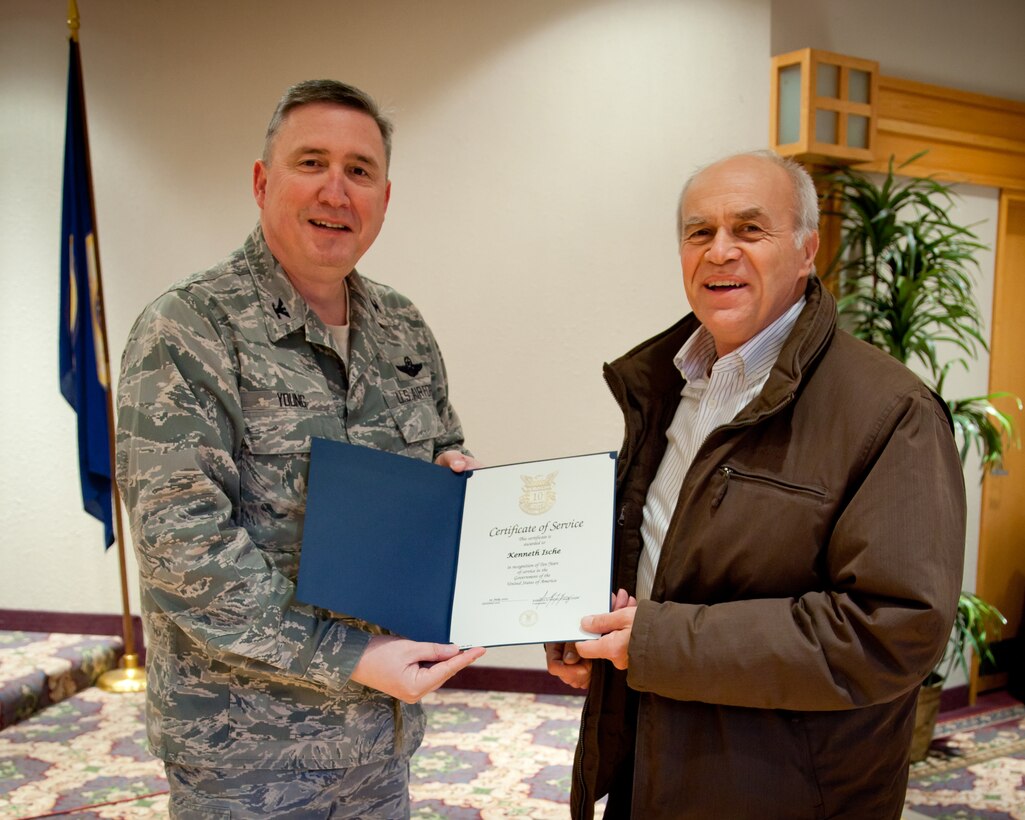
(404,540)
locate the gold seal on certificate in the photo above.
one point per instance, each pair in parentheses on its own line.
(538,493)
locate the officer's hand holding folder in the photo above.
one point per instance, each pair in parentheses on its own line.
(514,554)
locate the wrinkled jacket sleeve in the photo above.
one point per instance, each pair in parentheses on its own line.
(180,424)
(892,567)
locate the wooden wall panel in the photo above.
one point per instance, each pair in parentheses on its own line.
(1001,569)
(970,137)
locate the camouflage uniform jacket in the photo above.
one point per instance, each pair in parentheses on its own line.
(225,378)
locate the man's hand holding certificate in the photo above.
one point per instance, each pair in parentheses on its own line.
(502,555)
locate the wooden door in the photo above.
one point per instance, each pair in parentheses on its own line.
(1001,568)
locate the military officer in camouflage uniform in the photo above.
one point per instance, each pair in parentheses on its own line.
(261,706)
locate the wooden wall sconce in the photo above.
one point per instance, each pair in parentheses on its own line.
(823,107)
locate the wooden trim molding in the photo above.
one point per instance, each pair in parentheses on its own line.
(502,679)
(954,698)
(477,678)
(972,138)
(83,623)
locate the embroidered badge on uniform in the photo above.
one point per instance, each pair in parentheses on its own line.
(409,367)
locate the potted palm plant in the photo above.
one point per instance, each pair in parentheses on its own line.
(976,625)
(903,274)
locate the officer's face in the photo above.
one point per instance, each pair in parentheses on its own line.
(323,192)
(741,266)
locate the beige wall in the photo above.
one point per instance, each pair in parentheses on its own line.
(540,147)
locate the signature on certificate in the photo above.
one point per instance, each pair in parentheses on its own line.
(554,599)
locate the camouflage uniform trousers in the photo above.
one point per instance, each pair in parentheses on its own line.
(377,791)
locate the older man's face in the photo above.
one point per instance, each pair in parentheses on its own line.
(741,266)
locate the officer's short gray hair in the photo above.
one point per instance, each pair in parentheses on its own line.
(327,91)
(806,200)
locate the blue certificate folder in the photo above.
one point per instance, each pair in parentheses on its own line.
(382,536)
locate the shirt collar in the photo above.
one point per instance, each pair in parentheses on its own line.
(284,309)
(754,358)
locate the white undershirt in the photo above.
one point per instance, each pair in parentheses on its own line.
(714,393)
(340,333)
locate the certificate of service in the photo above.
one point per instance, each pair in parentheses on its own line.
(535,551)
(515,554)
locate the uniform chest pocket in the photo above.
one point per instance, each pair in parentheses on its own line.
(282,423)
(274,466)
(411,405)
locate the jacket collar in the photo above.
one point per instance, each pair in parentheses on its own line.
(645,378)
(810,336)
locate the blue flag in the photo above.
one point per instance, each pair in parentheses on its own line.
(84,377)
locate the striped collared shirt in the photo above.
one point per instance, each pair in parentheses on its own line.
(714,392)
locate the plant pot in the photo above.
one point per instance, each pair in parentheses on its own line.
(926,712)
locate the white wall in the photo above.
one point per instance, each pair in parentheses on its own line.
(539,151)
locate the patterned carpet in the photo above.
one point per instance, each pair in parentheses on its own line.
(38,669)
(975,769)
(488,755)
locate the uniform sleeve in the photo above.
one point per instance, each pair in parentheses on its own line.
(883,617)
(179,424)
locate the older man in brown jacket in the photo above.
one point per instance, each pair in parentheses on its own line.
(789,544)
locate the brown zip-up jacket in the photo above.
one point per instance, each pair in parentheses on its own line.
(807,585)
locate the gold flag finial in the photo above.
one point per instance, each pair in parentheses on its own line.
(73,19)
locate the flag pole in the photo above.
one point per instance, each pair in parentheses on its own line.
(73,22)
(130,677)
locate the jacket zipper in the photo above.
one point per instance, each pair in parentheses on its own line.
(728,472)
(578,762)
(721,494)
